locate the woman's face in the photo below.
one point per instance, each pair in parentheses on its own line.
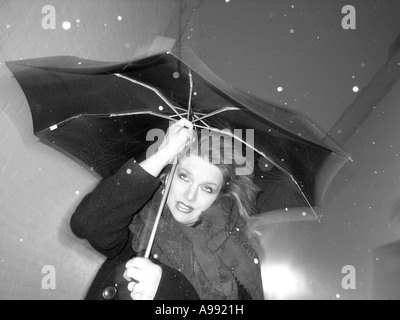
(195,187)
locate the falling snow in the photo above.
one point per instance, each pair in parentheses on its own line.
(66,25)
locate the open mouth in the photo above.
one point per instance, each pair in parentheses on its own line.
(183,207)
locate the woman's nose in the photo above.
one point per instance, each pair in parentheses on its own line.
(191,194)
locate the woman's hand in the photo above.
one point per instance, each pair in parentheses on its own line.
(144,277)
(179,135)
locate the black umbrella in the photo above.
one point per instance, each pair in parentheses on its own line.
(101,112)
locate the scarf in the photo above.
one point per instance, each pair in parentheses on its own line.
(213,255)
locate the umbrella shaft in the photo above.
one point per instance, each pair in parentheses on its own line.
(160,210)
(169,182)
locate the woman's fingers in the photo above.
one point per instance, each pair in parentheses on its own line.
(144,277)
(142,291)
(140,263)
(135,274)
(187,130)
(185,124)
(179,135)
(134,269)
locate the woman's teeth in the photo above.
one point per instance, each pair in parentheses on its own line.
(183,208)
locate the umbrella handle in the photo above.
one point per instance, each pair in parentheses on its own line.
(160,210)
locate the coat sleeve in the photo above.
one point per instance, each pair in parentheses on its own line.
(104,215)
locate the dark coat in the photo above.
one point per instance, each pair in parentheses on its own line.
(103,218)
(109,284)
(95,219)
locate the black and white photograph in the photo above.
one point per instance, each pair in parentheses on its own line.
(204,152)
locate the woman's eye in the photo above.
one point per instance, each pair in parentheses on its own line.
(183,177)
(208,189)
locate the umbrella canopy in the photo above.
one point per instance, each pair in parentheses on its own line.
(101,112)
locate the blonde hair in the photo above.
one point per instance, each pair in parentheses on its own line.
(220,150)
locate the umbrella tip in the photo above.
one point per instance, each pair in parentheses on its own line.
(318,217)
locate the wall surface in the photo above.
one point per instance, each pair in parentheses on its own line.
(361,217)
(99,30)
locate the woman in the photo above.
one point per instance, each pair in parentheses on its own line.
(202,248)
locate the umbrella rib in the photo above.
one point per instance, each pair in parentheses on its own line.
(107,115)
(269,159)
(152,89)
(174,108)
(139,112)
(212,129)
(205,123)
(216,112)
(197,117)
(190,94)
(244,142)
(249,145)
(185,111)
(151,113)
(304,196)
(204,116)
